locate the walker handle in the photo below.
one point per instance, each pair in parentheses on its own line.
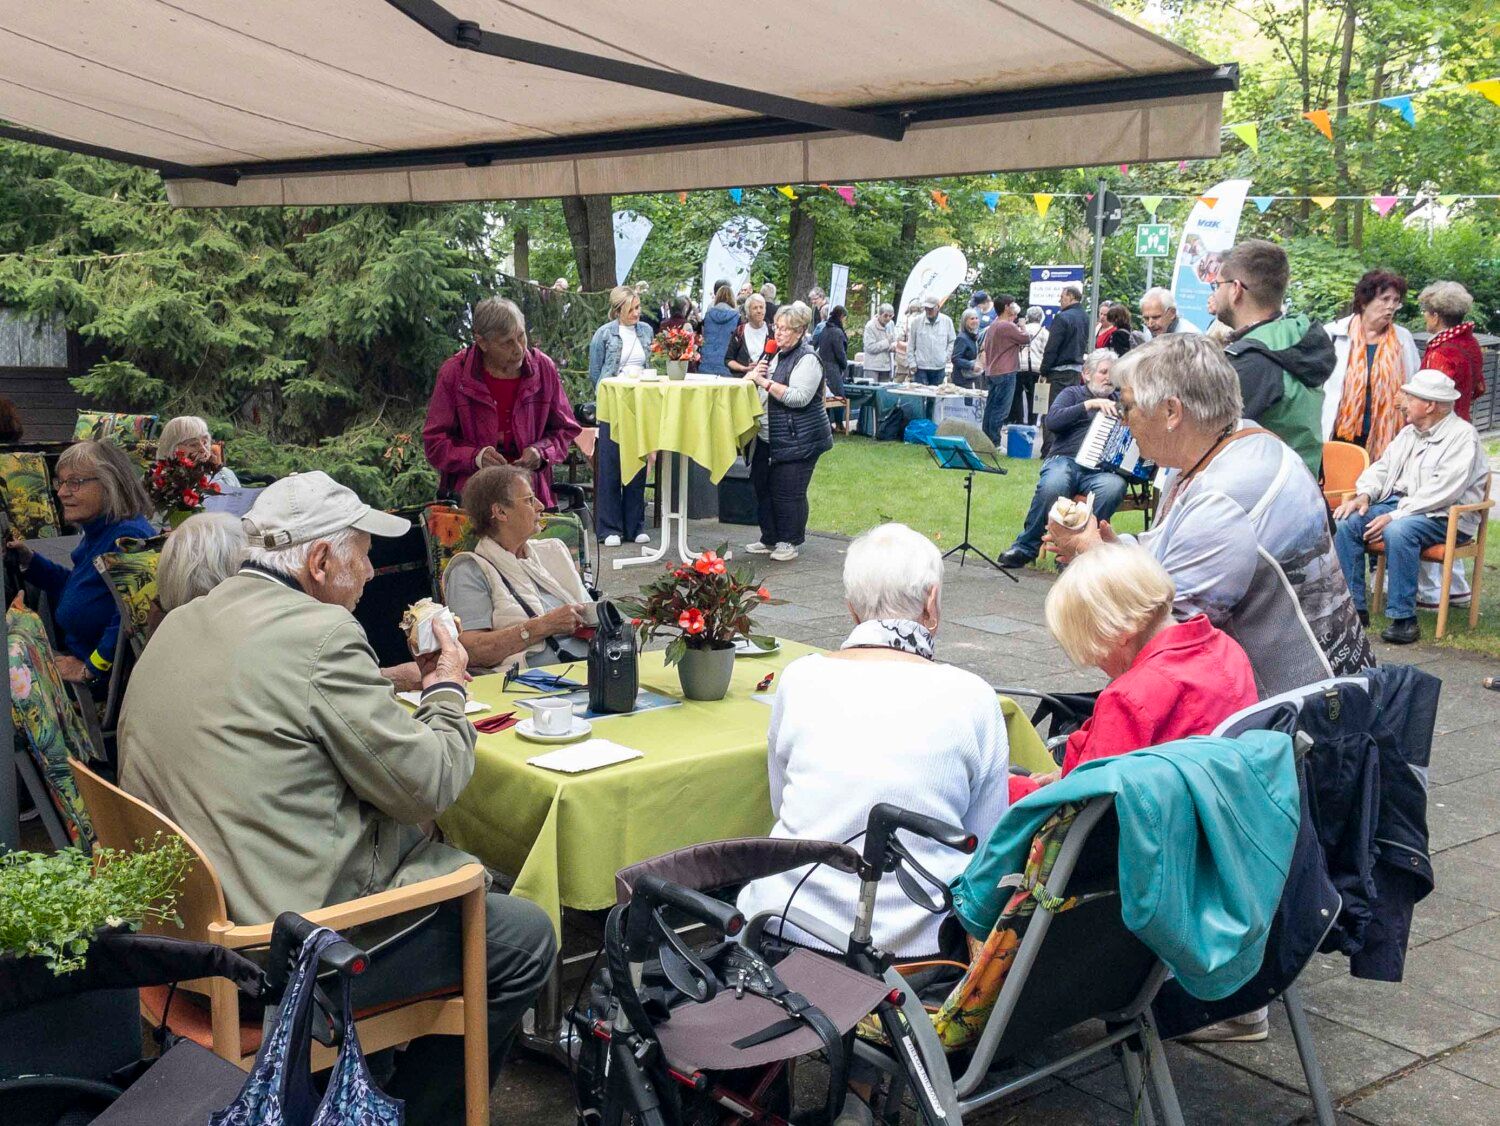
(885,819)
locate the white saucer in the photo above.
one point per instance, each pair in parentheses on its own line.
(526,729)
(744,648)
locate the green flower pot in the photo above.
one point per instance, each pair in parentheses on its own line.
(705,673)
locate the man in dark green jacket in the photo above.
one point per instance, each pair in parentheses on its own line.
(1282,360)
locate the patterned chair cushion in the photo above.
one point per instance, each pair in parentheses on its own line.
(131,574)
(27,495)
(134,433)
(46,718)
(447,532)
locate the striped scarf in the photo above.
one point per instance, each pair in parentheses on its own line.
(1378,382)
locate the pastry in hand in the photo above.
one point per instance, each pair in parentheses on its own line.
(1071,514)
(417,623)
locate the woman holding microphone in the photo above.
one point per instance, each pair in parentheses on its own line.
(794,433)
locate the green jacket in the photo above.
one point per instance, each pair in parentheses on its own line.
(1282,365)
(257,719)
(1207,828)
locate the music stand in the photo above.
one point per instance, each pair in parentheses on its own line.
(953,452)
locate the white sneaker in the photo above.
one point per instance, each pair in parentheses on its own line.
(1250,1028)
(644,537)
(784,553)
(758,548)
(611,541)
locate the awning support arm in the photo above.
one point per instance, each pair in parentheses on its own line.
(467,35)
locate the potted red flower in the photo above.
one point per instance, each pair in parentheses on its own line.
(680,347)
(179,486)
(707,604)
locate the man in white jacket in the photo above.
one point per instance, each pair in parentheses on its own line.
(1434,462)
(930,342)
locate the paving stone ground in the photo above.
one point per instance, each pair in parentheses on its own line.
(1426,1050)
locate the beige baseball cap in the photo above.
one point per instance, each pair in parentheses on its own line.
(312,506)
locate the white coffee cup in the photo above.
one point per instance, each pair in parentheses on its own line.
(552,716)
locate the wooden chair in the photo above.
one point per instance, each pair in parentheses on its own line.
(1447,553)
(120,820)
(1343,462)
(838,403)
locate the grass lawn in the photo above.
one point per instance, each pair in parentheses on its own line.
(862,483)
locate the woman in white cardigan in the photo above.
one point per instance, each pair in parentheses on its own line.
(1379,355)
(881,721)
(516,598)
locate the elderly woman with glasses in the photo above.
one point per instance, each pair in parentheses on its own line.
(188,434)
(1242,528)
(881,721)
(513,594)
(101,494)
(794,433)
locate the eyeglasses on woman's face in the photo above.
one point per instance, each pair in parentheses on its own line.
(71,484)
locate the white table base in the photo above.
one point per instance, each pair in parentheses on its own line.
(674,515)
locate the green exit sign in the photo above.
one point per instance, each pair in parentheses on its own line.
(1152,240)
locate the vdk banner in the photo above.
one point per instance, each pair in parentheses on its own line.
(1206,237)
(630,235)
(938,274)
(1046,287)
(731,253)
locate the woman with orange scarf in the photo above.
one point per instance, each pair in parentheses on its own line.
(1375,356)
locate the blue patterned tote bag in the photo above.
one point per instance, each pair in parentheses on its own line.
(280,1091)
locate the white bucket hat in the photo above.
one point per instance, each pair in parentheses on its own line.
(313,506)
(1431,385)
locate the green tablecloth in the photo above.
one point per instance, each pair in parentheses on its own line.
(703,778)
(708,420)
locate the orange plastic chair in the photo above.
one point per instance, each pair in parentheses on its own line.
(1343,462)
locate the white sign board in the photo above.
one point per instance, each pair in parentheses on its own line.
(1206,237)
(838,286)
(938,274)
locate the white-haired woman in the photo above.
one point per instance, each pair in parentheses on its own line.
(1241,528)
(882,721)
(880,344)
(621,343)
(188,434)
(794,433)
(203,551)
(101,494)
(1112,610)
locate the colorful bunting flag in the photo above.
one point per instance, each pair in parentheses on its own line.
(682,197)
(939,198)
(1151,203)
(1447,200)
(1182,166)
(786,190)
(1262,202)
(1209,201)
(1490,88)
(846,193)
(736,194)
(1402,105)
(1248,133)
(1325,201)
(991,199)
(1124,170)
(1320,118)
(1043,200)
(1383,204)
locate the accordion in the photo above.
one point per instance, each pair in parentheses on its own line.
(1109,445)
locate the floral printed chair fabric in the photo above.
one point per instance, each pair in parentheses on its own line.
(134,433)
(446,531)
(27,495)
(131,574)
(46,719)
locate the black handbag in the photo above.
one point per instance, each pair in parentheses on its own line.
(614,672)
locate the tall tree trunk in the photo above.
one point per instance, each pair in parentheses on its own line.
(1377,90)
(1340,120)
(1305,76)
(801,235)
(521,250)
(911,215)
(591,230)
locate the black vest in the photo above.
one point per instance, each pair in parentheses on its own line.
(797,433)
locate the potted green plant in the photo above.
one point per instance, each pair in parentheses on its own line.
(707,605)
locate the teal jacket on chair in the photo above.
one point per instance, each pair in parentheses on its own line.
(1207,828)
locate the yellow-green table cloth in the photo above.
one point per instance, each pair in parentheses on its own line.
(708,419)
(702,778)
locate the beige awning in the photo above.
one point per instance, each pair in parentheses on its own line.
(243,102)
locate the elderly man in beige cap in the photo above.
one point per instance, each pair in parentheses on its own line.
(259,721)
(1434,462)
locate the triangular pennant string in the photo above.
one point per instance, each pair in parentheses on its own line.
(991,199)
(736,194)
(1209,201)
(1325,201)
(1490,88)
(1248,133)
(786,190)
(1262,202)
(1383,204)
(1043,200)
(682,197)
(1447,200)
(1402,105)
(1151,203)
(939,199)
(1320,118)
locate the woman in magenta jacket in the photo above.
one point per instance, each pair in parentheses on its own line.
(498,402)
(1169,679)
